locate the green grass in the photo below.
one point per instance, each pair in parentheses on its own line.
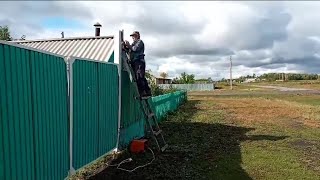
(240,134)
(307,84)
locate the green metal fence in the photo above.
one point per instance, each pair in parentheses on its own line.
(161,105)
(34,118)
(190,87)
(54,118)
(132,119)
(131,115)
(167,103)
(95,110)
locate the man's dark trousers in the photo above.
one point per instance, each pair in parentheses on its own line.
(139,68)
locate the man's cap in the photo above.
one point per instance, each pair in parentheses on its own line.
(135,33)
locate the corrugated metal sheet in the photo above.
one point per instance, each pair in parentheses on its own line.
(161,106)
(16,118)
(189,87)
(50,115)
(95,123)
(132,118)
(97,48)
(168,102)
(108,107)
(34,118)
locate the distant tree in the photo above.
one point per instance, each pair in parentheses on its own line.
(288,76)
(184,79)
(164,75)
(175,81)
(5,33)
(204,80)
(149,76)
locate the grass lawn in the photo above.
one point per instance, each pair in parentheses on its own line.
(241,134)
(306,84)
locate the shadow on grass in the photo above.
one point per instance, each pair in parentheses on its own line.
(196,151)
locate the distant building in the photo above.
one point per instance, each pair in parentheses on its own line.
(160,80)
(248,80)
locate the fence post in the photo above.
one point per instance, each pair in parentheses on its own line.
(70,61)
(119,52)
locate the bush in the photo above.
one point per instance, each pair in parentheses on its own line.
(157,90)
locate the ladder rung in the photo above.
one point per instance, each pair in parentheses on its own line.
(142,97)
(145,97)
(157,133)
(150,115)
(164,147)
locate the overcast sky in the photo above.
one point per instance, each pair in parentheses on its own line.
(195,37)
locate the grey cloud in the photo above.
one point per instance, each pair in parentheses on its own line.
(262,40)
(195,53)
(39,9)
(296,47)
(24,17)
(185,45)
(258,32)
(273,66)
(160,19)
(308,64)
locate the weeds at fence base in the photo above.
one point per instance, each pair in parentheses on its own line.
(95,167)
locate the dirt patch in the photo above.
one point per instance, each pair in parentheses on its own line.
(300,144)
(296,123)
(311,153)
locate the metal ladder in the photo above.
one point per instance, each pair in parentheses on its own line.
(151,119)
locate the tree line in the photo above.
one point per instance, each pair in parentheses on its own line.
(288,76)
(184,78)
(278,76)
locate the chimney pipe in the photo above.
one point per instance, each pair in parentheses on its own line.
(97,30)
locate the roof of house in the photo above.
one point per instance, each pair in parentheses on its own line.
(97,48)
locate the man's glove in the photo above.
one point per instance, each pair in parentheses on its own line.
(127,44)
(124,45)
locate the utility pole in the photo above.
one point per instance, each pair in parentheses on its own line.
(230,73)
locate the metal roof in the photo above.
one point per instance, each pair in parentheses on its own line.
(96,48)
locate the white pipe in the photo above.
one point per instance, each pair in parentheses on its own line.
(71,169)
(119,60)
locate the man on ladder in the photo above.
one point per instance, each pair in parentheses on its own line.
(137,67)
(138,63)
